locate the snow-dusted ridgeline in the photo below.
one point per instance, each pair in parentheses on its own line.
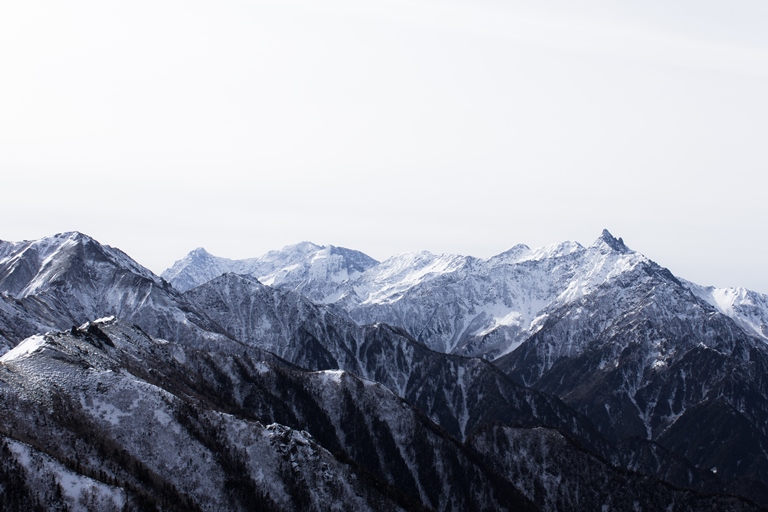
(454,304)
(611,333)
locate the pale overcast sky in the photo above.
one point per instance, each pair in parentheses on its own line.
(386,126)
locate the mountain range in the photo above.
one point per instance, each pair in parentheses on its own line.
(316,378)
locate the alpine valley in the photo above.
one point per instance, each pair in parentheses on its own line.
(564,378)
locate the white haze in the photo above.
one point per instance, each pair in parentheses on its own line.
(387,126)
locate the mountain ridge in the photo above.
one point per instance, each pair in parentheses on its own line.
(491,322)
(240,362)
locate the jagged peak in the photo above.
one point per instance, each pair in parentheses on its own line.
(607,239)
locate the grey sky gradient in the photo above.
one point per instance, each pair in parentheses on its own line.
(386,126)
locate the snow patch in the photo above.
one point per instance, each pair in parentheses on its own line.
(327,376)
(25,348)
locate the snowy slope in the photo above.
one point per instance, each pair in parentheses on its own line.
(747,308)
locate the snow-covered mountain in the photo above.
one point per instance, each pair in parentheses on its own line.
(485,307)
(291,390)
(317,272)
(70,278)
(451,303)
(603,327)
(649,356)
(456,304)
